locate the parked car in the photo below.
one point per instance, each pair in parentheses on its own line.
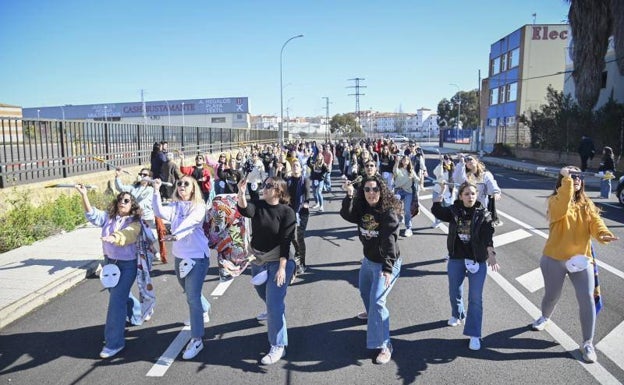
(399,138)
(620,191)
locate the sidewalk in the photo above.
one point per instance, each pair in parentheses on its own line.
(32,275)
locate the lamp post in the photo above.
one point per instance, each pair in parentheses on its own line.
(182,113)
(168,112)
(281,123)
(458,111)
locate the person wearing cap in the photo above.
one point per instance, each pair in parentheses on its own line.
(376,212)
(187,213)
(573,221)
(273,224)
(470,169)
(121,227)
(471,249)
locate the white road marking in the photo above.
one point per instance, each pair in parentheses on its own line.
(512,236)
(532,281)
(164,362)
(614,205)
(542,234)
(596,370)
(613,345)
(221,288)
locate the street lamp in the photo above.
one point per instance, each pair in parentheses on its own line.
(281,123)
(168,112)
(458,111)
(182,113)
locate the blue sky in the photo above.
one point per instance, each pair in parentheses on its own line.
(408,51)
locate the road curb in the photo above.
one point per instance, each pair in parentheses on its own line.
(34,300)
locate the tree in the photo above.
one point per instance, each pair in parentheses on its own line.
(469,111)
(344,124)
(592,23)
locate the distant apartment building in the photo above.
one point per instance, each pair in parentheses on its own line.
(612,81)
(265,122)
(218,112)
(421,124)
(522,65)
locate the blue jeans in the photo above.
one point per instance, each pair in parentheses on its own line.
(274,296)
(327,182)
(318,192)
(406,197)
(192,285)
(456,274)
(605,188)
(374,294)
(120,306)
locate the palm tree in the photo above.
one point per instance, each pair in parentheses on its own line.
(592,22)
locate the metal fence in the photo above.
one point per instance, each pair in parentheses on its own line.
(37,150)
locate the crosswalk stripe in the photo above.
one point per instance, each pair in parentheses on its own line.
(532,281)
(512,236)
(164,362)
(613,345)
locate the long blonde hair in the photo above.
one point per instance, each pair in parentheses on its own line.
(196,195)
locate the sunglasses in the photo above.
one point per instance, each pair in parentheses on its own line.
(123,200)
(143,174)
(370,165)
(577,176)
(184,183)
(269,186)
(371,189)
(469,158)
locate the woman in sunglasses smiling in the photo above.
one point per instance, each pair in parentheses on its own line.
(121,227)
(272,227)
(574,220)
(376,212)
(186,214)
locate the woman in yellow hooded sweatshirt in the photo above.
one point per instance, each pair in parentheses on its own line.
(574,220)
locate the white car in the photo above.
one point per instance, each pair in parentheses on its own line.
(399,138)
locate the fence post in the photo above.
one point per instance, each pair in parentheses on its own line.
(107,146)
(139,143)
(61,135)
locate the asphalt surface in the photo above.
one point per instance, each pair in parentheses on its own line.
(59,342)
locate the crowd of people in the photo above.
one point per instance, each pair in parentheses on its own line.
(274,187)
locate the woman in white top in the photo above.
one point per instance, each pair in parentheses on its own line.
(470,169)
(187,213)
(404,179)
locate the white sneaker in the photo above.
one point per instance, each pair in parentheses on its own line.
(262,316)
(206,319)
(363,315)
(275,354)
(589,353)
(321,209)
(540,323)
(316,206)
(475,343)
(108,353)
(149,315)
(436,223)
(408,233)
(454,321)
(194,346)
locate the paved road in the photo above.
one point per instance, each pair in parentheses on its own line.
(59,343)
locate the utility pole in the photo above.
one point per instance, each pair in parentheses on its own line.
(327,130)
(143,107)
(357,95)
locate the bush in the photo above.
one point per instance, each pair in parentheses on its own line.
(24,223)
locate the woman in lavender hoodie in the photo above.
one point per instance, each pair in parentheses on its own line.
(186,214)
(121,226)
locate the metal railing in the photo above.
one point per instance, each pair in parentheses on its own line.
(38,150)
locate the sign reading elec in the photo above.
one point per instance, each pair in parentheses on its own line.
(541,33)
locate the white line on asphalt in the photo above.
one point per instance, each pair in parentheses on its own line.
(512,236)
(542,234)
(532,281)
(221,288)
(164,362)
(614,205)
(596,370)
(613,345)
